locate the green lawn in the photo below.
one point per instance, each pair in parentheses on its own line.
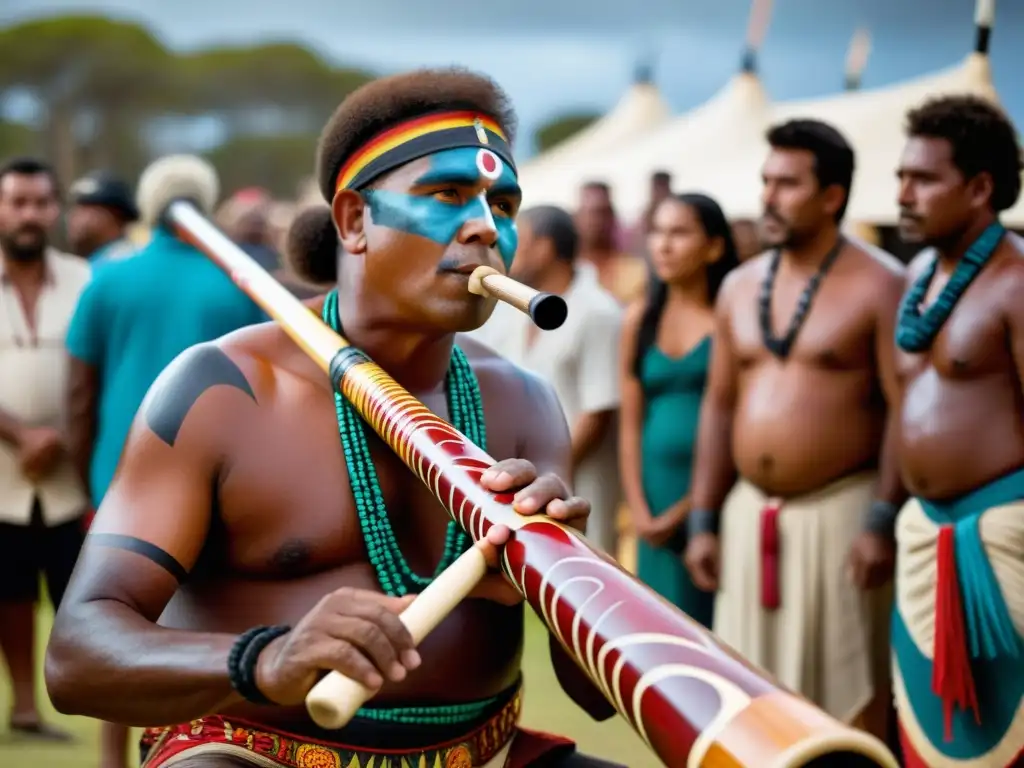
(547,708)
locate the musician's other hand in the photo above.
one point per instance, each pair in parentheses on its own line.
(872,560)
(353,631)
(545,493)
(494,586)
(701,559)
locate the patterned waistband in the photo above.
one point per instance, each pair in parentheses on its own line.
(217,734)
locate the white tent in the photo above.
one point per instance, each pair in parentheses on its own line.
(627,167)
(640,110)
(721,122)
(872,121)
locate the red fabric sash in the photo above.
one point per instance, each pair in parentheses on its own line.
(770,546)
(952,679)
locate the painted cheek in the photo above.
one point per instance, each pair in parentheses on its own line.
(508,241)
(508,234)
(422,216)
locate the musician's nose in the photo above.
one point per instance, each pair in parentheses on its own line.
(479,227)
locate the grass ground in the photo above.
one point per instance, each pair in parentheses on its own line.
(547,708)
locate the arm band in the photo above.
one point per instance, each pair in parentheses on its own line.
(701,521)
(881,518)
(243,657)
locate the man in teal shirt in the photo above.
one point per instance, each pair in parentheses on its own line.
(132,320)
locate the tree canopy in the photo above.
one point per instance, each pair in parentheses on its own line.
(106,91)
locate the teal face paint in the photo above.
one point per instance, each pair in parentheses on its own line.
(440,221)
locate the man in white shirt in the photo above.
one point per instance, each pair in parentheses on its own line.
(579,359)
(42,501)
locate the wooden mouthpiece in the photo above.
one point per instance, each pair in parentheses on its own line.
(547,310)
(333,702)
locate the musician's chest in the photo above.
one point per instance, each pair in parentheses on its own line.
(835,330)
(297,499)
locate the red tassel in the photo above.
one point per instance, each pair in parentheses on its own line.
(770,598)
(952,680)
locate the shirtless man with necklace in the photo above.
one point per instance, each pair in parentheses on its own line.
(959,618)
(792,546)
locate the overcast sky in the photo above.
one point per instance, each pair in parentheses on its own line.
(559,55)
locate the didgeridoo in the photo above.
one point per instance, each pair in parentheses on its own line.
(547,310)
(692,699)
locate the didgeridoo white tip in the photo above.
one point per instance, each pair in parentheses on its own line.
(334,701)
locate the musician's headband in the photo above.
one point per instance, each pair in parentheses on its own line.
(419,137)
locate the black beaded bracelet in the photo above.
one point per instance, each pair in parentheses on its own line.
(881,518)
(700,521)
(243,657)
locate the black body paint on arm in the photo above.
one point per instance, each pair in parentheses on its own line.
(146,549)
(196,370)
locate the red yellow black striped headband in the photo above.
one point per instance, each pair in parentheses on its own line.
(419,137)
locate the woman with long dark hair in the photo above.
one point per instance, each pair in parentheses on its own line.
(666,349)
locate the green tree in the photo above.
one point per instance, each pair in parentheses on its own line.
(561,128)
(16,139)
(269,89)
(106,87)
(276,163)
(94,78)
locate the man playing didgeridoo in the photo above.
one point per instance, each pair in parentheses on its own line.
(796,402)
(959,673)
(257,533)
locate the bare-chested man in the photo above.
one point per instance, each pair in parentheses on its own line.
(959,619)
(796,403)
(258,534)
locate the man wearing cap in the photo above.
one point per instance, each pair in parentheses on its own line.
(102,207)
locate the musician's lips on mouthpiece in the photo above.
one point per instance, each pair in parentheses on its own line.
(463,269)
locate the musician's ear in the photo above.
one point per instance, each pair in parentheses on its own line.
(347,208)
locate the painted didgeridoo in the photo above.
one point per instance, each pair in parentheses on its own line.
(694,701)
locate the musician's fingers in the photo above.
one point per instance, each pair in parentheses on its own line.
(497,536)
(569,510)
(539,494)
(508,474)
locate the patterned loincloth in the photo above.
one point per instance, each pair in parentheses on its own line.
(219,735)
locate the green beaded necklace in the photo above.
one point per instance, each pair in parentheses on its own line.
(465,410)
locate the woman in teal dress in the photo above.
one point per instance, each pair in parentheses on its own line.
(666,348)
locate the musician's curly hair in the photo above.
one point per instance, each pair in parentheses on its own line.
(982,137)
(312,242)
